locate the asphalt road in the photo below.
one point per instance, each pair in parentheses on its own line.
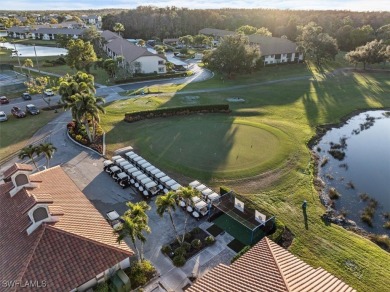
(37,100)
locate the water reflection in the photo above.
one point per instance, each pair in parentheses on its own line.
(363,178)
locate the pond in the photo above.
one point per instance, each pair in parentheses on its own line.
(355,163)
(28,50)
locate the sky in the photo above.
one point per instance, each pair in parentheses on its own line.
(354,5)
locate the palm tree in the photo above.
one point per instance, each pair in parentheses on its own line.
(135,223)
(29,152)
(130,228)
(29,64)
(71,84)
(138,211)
(118,27)
(187,193)
(167,203)
(86,109)
(48,149)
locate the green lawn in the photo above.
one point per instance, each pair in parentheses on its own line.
(15,132)
(293,108)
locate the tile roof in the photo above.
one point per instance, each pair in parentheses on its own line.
(268,267)
(66,253)
(216,32)
(122,47)
(272,45)
(14,168)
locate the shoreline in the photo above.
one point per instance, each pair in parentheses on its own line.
(332,215)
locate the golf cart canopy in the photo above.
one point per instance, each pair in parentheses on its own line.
(171,182)
(132,170)
(194,184)
(176,187)
(127,154)
(150,168)
(195,200)
(207,192)
(136,173)
(201,187)
(138,158)
(213,197)
(107,162)
(150,185)
(141,176)
(119,160)
(122,164)
(123,175)
(113,215)
(128,166)
(116,157)
(145,165)
(142,161)
(160,175)
(115,168)
(145,180)
(165,179)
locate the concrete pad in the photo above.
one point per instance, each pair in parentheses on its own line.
(175,280)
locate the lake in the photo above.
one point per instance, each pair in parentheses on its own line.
(362,176)
(28,50)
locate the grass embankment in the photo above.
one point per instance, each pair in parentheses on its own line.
(15,133)
(295,108)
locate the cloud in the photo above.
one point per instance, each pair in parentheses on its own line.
(354,5)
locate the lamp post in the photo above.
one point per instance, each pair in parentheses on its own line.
(17,55)
(36,59)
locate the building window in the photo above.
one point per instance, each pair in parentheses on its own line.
(21,179)
(40,214)
(161,62)
(161,69)
(278,56)
(289,55)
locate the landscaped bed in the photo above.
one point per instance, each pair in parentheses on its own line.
(194,241)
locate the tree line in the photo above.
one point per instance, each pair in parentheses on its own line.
(351,29)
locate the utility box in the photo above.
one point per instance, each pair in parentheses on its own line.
(121,282)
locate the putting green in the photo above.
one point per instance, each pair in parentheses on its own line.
(211,146)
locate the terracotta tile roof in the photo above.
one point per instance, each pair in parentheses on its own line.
(303,277)
(268,267)
(14,168)
(68,252)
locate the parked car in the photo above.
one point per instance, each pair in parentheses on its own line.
(4,100)
(48,92)
(26,96)
(32,109)
(3,117)
(17,112)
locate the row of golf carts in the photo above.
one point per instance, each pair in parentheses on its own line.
(133,170)
(200,207)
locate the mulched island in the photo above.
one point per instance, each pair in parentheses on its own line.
(194,241)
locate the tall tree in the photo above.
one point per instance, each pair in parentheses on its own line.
(186,40)
(29,64)
(315,44)
(247,29)
(118,27)
(111,67)
(38,85)
(135,223)
(167,204)
(81,55)
(29,152)
(371,53)
(233,55)
(70,85)
(86,109)
(186,194)
(48,150)
(263,31)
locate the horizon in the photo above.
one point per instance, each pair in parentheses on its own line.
(330,5)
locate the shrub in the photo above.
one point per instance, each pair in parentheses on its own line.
(186,245)
(223,190)
(188,236)
(382,240)
(180,251)
(210,240)
(196,230)
(366,218)
(386,225)
(196,243)
(176,111)
(99,130)
(279,228)
(166,249)
(179,261)
(71,125)
(79,138)
(140,273)
(237,256)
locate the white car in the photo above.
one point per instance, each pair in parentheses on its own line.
(48,92)
(3,117)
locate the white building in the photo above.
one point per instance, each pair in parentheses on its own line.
(136,59)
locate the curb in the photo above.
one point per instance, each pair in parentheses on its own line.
(86,147)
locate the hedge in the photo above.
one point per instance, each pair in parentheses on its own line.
(153,76)
(176,111)
(279,229)
(223,190)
